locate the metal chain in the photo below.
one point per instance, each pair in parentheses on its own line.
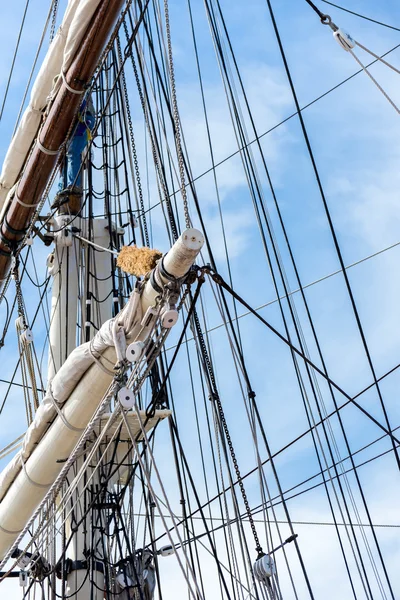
(133,144)
(156,161)
(183,298)
(53,20)
(18,291)
(176,118)
(238,475)
(24,347)
(214,396)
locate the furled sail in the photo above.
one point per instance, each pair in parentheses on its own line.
(59,56)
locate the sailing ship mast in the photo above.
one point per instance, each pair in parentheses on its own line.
(89,486)
(53,132)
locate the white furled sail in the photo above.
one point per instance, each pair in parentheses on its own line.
(57,60)
(80,385)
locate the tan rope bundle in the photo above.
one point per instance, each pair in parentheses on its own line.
(137,261)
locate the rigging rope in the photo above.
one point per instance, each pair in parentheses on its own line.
(14,59)
(359,15)
(176,117)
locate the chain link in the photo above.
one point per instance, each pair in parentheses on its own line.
(53,20)
(133,144)
(156,161)
(24,347)
(176,118)
(183,298)
(18,291)
(214,396)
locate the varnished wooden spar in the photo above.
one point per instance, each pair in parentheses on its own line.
(39,167)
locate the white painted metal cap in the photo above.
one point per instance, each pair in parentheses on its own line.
(193,239)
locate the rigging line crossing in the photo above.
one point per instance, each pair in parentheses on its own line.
(240,364)
(227,535)
(358,262)
(335,241)
(266,461)
(291,116)
(218,279)
(380,88)
(278,500)
(250,172)
(51,493)
(18,362)
(154,139)
(20,385)
(349,470)
(106,105)
(366,525)
(204,105)
(176,117)
(147,475)
(315,432)
(361,16)
(312,376)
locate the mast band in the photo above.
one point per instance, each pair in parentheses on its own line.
(163,271)
(12,230)
(7,243)
(154,283)
(84,565)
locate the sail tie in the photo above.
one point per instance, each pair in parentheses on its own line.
(69,88)
(60,412)
(46,150)
(35,483)
(24,204)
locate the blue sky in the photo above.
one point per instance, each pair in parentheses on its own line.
(354,133)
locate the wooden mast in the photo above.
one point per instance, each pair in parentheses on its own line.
(40,165)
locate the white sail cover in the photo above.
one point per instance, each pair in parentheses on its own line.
(67,378)
(58,58)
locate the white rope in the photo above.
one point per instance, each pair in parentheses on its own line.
(35,483)
(69,88)
(24,203)
(11,447)
(382,60)
(60,412)
(146,474)
(96,245)
(380,88)
(98,361)
(78,452)
(46,150)
(9,532)
(59,480)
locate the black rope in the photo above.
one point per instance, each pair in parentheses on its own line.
(319,13)
(333,233)
(359,15)
(218,279)
(14,59)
